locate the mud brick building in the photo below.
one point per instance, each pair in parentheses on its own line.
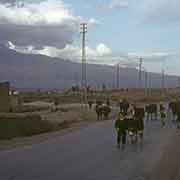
(5,102)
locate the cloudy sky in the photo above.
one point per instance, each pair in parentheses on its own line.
(118,30)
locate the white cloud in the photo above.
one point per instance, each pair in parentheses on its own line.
(149,54)
(103,50)
(39,24)
(70,52)
(113,4)
(102,54)
(161,10)
(49,12)
(119,4)
(93,22)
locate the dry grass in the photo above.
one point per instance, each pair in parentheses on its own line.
(20,125)
(72,115)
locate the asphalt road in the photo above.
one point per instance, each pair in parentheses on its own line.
(86,154)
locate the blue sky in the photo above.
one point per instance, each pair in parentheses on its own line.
(119,31)
(127,28)
(135,28)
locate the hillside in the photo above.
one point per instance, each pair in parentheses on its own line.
(27,71)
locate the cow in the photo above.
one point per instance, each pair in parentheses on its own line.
(106,110)
(124,106)
(151,110)
(132,129)
(135,124)
(90,103)
(108,103)
(139,117)
(99,111)
(175,108)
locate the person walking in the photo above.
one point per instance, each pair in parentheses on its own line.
(121,128)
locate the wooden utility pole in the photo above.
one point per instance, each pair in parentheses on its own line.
(178,83)
(117,76)
(140,73)
(162,82)
(146,83)
(150,84)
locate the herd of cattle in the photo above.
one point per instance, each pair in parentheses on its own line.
(103,109)
(135,123)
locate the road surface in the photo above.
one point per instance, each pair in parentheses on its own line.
(86,154)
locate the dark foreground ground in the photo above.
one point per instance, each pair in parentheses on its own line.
(91,154)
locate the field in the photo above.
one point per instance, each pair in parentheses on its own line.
(37,113)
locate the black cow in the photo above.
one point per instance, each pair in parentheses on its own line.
(132,127)
(139,117)
(124,106)
(175,108)
(102,111)
(108,103)
(99,111)
(106,110)
(90,103)
(151,111)
(135,124)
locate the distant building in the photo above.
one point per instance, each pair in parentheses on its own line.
(5,102)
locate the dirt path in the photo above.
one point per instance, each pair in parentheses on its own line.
(168,167)
(89,154)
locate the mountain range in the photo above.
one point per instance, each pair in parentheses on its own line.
(29,71)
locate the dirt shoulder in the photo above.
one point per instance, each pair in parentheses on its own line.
(6,145)
(74,118)
(22,142)
(168,168)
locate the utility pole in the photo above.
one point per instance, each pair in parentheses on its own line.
(140,73)
(146,83)
(162,82)
(117,76)
(178,85)
(150,84)
(83,27)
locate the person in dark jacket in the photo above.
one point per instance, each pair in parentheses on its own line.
(121,128)
(163,115)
